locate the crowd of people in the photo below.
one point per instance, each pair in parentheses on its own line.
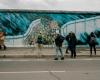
(72,42)
(59,39)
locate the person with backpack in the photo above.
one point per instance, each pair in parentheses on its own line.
(40,40)
(72,41)
(40,44)
(58,43)
(92,42)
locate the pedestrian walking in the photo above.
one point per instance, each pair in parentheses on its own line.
(72,41)
(92,42)
(58,43)
(2,45)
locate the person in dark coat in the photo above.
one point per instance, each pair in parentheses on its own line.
(92,42)
(72,41)
(58,42)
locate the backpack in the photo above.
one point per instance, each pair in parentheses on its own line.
(39,39)
(92,39)
(61,38)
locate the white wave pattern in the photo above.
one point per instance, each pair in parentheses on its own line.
(18,41)
(87,25)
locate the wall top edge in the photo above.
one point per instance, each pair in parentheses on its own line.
(49,11)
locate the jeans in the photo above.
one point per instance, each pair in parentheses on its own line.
(59,50)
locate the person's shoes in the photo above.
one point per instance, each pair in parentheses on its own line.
(67,52)
(62,58)
(0,47)
(56,59)
(74,57)
(71,56)
(5,47)
(90,55)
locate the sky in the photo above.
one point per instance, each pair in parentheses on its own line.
(65,5)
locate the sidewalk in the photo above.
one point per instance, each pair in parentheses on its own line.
(45,53)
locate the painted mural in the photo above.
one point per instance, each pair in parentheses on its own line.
(14,23)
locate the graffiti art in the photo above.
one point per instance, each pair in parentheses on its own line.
(20,26)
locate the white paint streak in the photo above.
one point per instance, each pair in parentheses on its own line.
(32,72)
(26,72)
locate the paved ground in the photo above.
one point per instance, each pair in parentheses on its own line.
(25,64)
(43,69)
(46,53)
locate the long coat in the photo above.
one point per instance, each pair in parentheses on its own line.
(72,41)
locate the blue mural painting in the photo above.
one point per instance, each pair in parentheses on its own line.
(17,22)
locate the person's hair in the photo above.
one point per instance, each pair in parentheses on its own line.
(91,33)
